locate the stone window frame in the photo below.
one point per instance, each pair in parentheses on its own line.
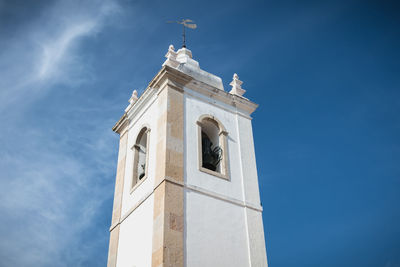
(223,143)
(135,182)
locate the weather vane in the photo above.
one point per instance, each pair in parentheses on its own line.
(185,23)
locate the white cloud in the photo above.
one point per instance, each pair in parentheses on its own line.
(54,52)
(50,196)
(50,190)
(44,53)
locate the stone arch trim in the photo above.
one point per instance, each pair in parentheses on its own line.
(223,143)
(144,129)
(222,129)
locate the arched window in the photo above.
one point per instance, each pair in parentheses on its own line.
(212,146)
(140,157)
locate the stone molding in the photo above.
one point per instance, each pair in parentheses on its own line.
(176,79)
(193,188)
(119,127)
(234,201)
(217,104)
(135,147)
(224,164)
(143,199)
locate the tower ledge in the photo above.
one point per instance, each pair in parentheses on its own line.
(179,79)
(181,71)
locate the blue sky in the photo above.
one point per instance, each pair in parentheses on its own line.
(327,132)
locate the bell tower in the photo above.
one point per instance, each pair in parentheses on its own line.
(186,190)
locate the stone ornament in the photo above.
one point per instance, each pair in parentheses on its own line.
(132,100)
(171,57)
(134,97)
(237,86)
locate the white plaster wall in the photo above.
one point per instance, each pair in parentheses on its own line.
(248,160)
(135,237)
(215,230)
(215,233)
(147,117)
(219,233)
(258,254)
(136,232)
(194,108)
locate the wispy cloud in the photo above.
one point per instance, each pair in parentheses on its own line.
(54,52)
(52,185)
(45,53)
(49,197)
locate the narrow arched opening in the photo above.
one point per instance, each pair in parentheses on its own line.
(212,146)
(211,150)
(140,157)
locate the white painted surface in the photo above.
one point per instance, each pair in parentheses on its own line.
(256,238)
(147,117)
(194,108)
(135,237)
(248,160)
(215,233)
(219,233)
(136,232)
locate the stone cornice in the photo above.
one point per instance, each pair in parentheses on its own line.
(140,103)
(121,124)
(178,80)
(175,75)
(223,96)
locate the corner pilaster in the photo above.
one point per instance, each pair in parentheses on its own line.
(116,214)
(168,193)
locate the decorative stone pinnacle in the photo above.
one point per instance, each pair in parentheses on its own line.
(237,86)
(134,97)
(171,57)
(132,100)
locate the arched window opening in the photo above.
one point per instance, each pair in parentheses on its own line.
(211,150)
(142,151)
(140,157)
(212,146)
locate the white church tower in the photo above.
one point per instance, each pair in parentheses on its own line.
(186,191)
